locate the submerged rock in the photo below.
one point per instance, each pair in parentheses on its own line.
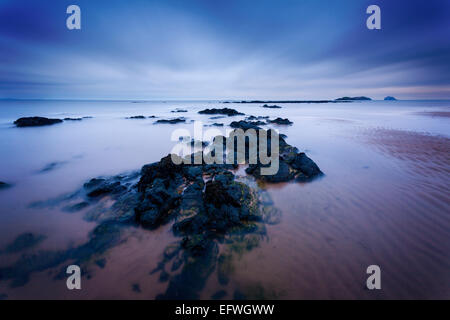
(389,98)
(24,241)
(35,121)
(4,185)
(225,111)
(100,187)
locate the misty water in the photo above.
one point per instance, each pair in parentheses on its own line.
(384,199)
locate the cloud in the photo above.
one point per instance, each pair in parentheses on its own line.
(198,49)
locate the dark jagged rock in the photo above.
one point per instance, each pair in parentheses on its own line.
(100,187)
(73,119)
(24,241)
(245,125)
(171,121)
(271,106)
(353,99)
(178,110)
(252,118)
(136,117)
(225,111)
(389,98)
(280,121)
(35,121)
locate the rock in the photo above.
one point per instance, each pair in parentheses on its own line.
(178,110)
(251,118)
(99,187)
(35,121)
(353,99)
(4,185)
(136,117)
(245,125)
(216,124)
(389,98)
(136,287)
(308,168)
(280,121)
(73,119)
(77,207)
(271,107)
(24,241)
(101,263)
(171,121)
(225,111)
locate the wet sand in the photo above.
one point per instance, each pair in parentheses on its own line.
(384,200)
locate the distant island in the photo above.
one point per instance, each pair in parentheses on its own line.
(353,99)
(389,98)
(283,101)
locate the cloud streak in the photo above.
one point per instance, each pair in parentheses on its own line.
(198,49)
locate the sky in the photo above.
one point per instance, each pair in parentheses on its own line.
(217,49)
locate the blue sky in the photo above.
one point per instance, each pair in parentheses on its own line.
(216,49)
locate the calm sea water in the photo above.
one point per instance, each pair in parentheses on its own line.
(384,200)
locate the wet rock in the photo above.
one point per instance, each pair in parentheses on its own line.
(245,125)
(252,118)
(136,117)
(4,185)
(73,119)
(178,110)
(101,263)
(136,287)
(77,207)
(225,111)
(35,121)
(271,107)
(389,98)
(99,187)
(52,166)
(308,168)
(216,124)
(280,121)
(171,121)
(24,241)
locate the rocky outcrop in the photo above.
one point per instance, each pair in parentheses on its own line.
(280,121)
(389,98)
(171,121)
(245,125)
(224,111)
(35,122)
